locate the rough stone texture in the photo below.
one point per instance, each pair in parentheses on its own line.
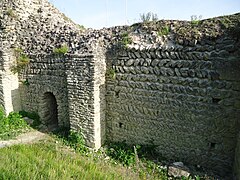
(237,159)
(10,96)
(178,90)
(46,75)
(182,98)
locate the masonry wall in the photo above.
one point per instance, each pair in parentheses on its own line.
(172,84)
(237,159)
(80,87)
(184,101)
(9,88)
(46,74)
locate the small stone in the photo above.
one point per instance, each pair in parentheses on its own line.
(178,171)
(28,120)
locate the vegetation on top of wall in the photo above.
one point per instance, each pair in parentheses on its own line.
(11,125)
(61,50)
(195,20)
(125,39)
(25,82)
(191,32)
(165,30)
(22,61)
(81,27)
(10,13)
(148,17)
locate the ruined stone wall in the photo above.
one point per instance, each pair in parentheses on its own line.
(181,95)
(80,72)
(171,84)
(46,74)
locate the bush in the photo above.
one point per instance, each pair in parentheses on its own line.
(11,125)
(31,115)
(122,152)
(22,60)
(164,31)
(148,17)
(76,141)
(126,39)
(61,51)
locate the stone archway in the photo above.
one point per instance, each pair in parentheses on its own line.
(49,110)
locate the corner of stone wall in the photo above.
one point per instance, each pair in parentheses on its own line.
(10,93)
(99,95)
(86,96)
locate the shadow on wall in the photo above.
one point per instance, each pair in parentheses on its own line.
(237,159)
(48,110)
(102,112)
(16,101)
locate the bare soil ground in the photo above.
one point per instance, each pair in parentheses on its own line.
(24,138)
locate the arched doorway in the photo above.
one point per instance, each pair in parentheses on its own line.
(49,111)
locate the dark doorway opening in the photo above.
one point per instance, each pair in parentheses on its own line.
(49,111)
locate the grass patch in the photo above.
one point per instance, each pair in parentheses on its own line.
(10,13)
(164,31)
(11,125)
(22,61)
(66,158)
(61,51)
(31,115)
(111,73)
(126,39)
(51,160)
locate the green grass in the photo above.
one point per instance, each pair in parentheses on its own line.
(164,31)
(11,125)
(61,50)
(51,160)
(22,61)
(125,39)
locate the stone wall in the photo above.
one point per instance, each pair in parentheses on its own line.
(10,95)
(171,84)
(182,99)
(46,74)
(80,87)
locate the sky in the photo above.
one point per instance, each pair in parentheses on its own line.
(107,13)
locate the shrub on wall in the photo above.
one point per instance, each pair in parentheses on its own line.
(148,17)
(22,61)
(61,51)
(125,39)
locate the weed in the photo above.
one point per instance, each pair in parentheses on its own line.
(31,115)
(148,17)
(73,139)
(25,82)
(76,141)
(125,39)
(81,27)
(11,125)
(10,13)
(22,61)
(51,160)
(164,31)
(195,20)
(18,50)
(61,51)
(122,152)
(111,73)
